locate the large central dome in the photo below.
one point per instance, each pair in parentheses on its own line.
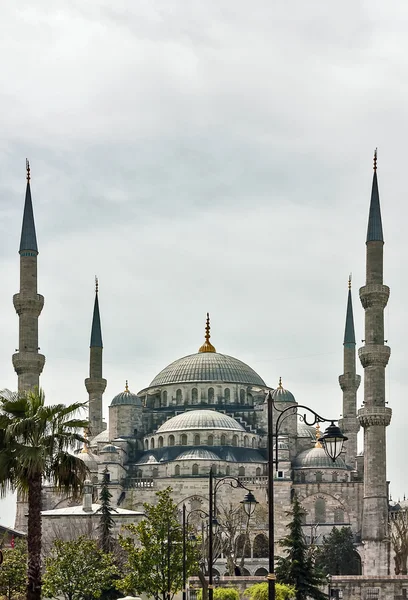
(200,419)
(207,366)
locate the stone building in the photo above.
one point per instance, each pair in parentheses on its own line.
(207,410)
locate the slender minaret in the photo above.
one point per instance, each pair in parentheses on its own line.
(349,383)
(27,362)
(95,384)
(375,415)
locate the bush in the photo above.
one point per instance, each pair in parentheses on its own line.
(259,591)
(221,593)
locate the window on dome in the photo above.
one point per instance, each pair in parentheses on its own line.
(242,396)
(227,394)
(164,399)
(253,442)
(210,440)
(223,440)
(245,441)
(235,440)
(338,515)
(214,469)
(258,471)
(146,444)
(320,511)
(139,473)
(211,395)
(171,441)
(319,477)
(194,396)
(302,478)
(227,470)
(177,471)
(261,549)
(196,439)
(179,397)
(183,440)
(160,442)
(195,470)
(155,472)
(107,476)
(241,472)
(152,443)
(335,477)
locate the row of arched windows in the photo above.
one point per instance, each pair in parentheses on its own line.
(318,477)
(198,440)
(181,398)
(320,512)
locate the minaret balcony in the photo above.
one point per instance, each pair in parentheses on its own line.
(374,415)
(28,304)
(374,294)
(349,382)
(374,355)
(95,385)
(28,362)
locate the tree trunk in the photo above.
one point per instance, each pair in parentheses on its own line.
(204,584)
(34,538)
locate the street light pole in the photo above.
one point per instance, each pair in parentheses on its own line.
(168,562)
(210,537)
(184,554)
(271,574)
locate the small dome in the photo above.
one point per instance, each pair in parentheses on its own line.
(90,460)
(110,448)
(316,458)
(147,459)
(101,437)
(282,395)
(200,419)
(282,444)
(198,454)
(306,431)
(126,397)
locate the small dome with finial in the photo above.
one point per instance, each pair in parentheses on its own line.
(126,397)
(207,346)
(282,395)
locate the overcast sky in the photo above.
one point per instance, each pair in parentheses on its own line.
(205,156)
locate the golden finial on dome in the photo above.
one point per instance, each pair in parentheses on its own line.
(207,346)
(85,449)
(280,386)
(349,282)
(96,285)
(28,170)
(375,159)
(318,434)
(126,387)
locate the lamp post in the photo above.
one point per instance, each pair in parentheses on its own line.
(249,504)
(185,528)
(332,441)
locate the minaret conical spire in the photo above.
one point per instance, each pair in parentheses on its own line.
(28,240)
(349,334)
(96,331)
(374,229)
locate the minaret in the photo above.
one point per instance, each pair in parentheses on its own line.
(349,383)
(27,362)
(375,415)
(95,384)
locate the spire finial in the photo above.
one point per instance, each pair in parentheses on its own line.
(85,449)
(96,285)
(28,170)
(207,346)
(126,387)
(318,443)
(349,282)
(280,383)
(375,159)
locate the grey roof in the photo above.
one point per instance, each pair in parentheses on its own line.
(198,454)
(101,437)
(90,460)
(306,431)
(200,419)
(349,334)
(282,395)
(126,397)
(374,229)
(225,453)
(316,458)
(28,240)
(96,331)
(207,366)
(79,511)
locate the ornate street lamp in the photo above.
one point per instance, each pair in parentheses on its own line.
(332,441)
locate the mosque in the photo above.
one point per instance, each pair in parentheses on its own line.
(208,410)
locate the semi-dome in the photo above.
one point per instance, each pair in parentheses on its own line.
(200,419)
(110,448)
(282,395)
(89,459)
(306,431)
(316,458)
(198,454)
(207,366)
(126,397)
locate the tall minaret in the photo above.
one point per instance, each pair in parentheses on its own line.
(375,415)
(349,383)
(95,384)
(27,362)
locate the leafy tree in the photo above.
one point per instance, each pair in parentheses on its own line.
(337,555)
(106,522)
(399,540)
(221,593)
(259,591)
(77,570)
(34,444)
(155,551)
(297,567)
(13,571)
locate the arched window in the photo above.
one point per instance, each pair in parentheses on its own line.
(164,398)
(210,395)
(338,515)
(258,471)
(139,473)
(155,472)
(245,441)
(160,442)
(320,511)
(177,471)
(253,442)
(152,443)
(302,478)
(195,470)
(243,546)
(194,396)
(214,469)
(171,440)
(261,546)
(210,440)
(261,572)
(335,477)
(197,439)
(227,395)
(241,472)
(242,396)
(223,440)
(179,397)
(183,439)
(227,470)
(235,440)
(146,444)
(319,477)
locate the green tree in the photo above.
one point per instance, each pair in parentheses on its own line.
(221,593)
(259,591)
(77,570)
(13,571)
(337,555)
(297,566)
(155,551)
(35,440)
(106,522)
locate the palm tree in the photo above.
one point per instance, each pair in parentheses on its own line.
(34,446)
